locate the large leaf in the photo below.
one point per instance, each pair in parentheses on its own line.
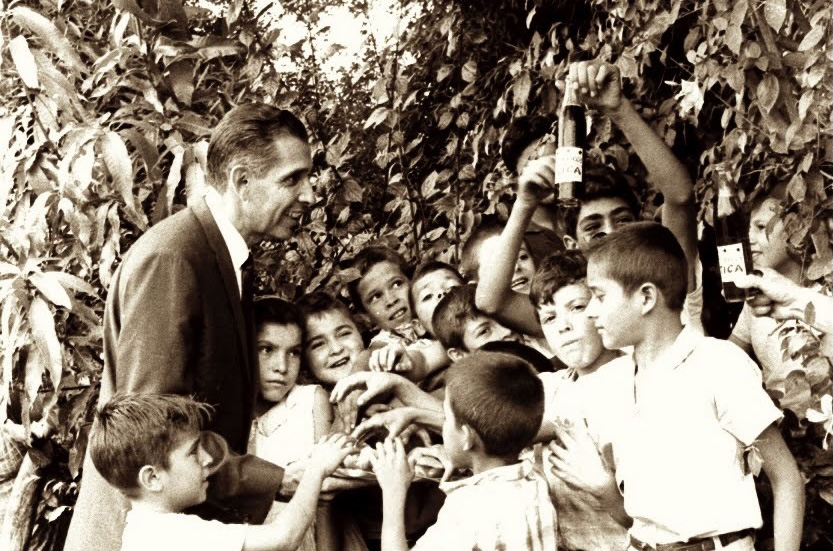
(775,12)
(117,159)
(42,324)
(24,61)
(180,76)
(49,35)
(51,288)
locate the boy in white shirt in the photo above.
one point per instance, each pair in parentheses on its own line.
(698,409)
(149,446)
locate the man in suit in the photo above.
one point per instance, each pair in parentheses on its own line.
(178,318)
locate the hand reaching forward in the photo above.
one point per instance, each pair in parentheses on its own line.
(575,459)
(393,357)
(328,454)
(393,421)
(780,298)
(375,382)
(390,464)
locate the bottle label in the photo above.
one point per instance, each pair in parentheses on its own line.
(732,264)
(568,164)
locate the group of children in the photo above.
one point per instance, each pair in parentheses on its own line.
(573,403)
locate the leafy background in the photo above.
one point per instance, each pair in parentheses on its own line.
(106,108)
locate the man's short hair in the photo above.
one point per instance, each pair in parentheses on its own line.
(500,397)
(601,182)
(134,430)
(644,252)
(521,133)
(556,271)
(452,314)
(470,255)
(247,134)
(271,309)
(320,302)
(364,261)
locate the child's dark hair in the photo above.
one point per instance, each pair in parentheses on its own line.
(470,255)
(556,271)
(134,430)
(364,261)
(500,397)
(455,309)
(524,352)
(320,302)
(430,267)
(271,309)
(521,133)
(644,252)
(601,182)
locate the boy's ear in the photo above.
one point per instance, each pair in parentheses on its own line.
(570,243)
(149,479)
(455,354)
(237,177)
(419,327)
(648,297)
(470,439)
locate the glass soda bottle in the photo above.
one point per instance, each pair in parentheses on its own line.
(732,235)
(569,154)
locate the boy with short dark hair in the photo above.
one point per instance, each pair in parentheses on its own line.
(462,328)
(149,446)
(493,408)
(430,283)
(698,408)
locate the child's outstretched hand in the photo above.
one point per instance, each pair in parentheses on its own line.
(598,84)
(537,180)
(392,469)
(394,421)
(575,459)
(393,357)
(376,383)
(328,454)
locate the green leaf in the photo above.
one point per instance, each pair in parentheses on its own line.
(377,117)
(469,71)
(46,340)
(811,39)
(180,76)
(49,36)
(24,61)
(521,88)
(51,288)
(733,38)
(810,314)
(767,91)
(775,12)
(118,163)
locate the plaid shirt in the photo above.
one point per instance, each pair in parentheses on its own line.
(505,508)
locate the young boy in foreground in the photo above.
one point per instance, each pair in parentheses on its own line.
(493,408)
(149,447)
(698,408)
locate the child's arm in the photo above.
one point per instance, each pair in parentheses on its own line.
(378,383)
(781,298)
(415,361)
(598,85)
(787,489)
(287,530)
(494,294)
(322,414)
(394,475)
(396,420)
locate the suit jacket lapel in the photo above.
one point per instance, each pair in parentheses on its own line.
(228,272)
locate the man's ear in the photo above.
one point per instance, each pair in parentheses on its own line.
(237,177)
(648,297)
(455,354)
(149,479)
(570,243)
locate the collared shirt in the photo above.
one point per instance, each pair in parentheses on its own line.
(681,453)
(505,508)
(237,248)
(146,530)
(597,403)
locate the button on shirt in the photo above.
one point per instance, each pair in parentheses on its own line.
(506,508)
(237,248)
(680,455)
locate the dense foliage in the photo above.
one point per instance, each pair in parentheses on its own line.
(106,108)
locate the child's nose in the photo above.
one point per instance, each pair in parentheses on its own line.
(592,308)
(335,347)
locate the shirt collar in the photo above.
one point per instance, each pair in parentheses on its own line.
(236,245)
(681,349)
(508,473)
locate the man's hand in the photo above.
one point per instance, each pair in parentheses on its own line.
(328,454)
(393,472)
(393,357)
(780,298)
(597,84)
(375,382)
(537,181)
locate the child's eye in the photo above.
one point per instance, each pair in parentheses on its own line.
(547,319)
(264,349)
(426,298)
(315,345)
(578,307)
(295,352)
(397,283)
(344,333)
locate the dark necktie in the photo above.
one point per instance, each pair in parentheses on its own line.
(247,279)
